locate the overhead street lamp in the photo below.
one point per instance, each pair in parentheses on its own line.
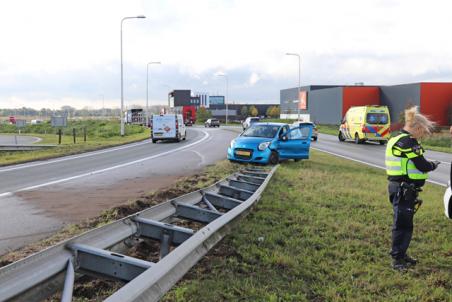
(122,76)
(226,99)
(147,88)
(299,78)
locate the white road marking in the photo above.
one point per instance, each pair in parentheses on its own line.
(71,157)
(206,136)
(200,156)
(369,164)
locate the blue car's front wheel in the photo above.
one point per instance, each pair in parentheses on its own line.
(274,158)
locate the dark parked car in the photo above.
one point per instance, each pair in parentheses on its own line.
(212,122)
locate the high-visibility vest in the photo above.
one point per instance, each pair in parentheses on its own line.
(396,165)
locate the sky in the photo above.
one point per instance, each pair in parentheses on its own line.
(60,52)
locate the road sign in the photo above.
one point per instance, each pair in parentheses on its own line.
(59,121)
(21,123)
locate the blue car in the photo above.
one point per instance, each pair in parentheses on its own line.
(268,143)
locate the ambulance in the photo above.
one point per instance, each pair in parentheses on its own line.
(366,123)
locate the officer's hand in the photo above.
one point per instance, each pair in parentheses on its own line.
(435,164)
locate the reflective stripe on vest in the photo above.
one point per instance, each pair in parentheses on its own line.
(401,166)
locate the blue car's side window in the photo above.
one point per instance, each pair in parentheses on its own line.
(299,133)
(295,134)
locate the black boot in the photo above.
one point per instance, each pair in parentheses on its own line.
(409,260)
(399,264)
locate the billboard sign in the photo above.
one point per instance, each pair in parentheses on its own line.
(303,100)
(216,100)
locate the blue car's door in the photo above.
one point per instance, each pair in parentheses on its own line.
(296,143)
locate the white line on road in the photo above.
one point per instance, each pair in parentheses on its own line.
(206,135)
(200,156)
(369,164)
(71,157)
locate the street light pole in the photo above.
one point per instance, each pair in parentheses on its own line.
(299,79)
(147,88)
(227,94)
(122,75)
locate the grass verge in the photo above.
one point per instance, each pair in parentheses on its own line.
(100,134)
(321,232)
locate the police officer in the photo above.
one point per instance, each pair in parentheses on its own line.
(407,171)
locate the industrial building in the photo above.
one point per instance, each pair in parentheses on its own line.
(187,102)
(327,104)
(185,97)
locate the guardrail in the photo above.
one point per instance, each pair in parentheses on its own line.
(98,252)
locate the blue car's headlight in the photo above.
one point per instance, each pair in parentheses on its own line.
(263,146)
(232,143)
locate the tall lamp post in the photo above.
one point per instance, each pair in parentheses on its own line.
(122,75)
(147,88)
(227,92)
(299,78)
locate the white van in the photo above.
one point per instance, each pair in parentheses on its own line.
(167,127)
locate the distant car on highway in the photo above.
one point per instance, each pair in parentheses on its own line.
(35,122)
(167,127)
(268,143)
(212,122)
(249,121)
(12,120)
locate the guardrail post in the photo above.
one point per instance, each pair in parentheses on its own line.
(68,283)
(165,245)
(73,134)
(84,134)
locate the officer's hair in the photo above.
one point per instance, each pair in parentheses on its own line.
(416,120)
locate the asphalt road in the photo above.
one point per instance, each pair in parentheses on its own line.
(39,198)
(374,155)
(18,140)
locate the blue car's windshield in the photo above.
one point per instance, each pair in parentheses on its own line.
(268,131)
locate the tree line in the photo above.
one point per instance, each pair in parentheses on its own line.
(69,111)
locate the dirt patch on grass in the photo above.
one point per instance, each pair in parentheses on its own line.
(93,289)
(183,185)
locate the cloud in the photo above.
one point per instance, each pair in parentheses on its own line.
(55,50)
(254,78)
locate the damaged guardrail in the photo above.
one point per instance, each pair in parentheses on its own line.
(99,252)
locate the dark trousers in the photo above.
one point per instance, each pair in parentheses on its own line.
(402,228)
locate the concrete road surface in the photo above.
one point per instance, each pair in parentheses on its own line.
(374,155)
(18,140)
(39,198)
